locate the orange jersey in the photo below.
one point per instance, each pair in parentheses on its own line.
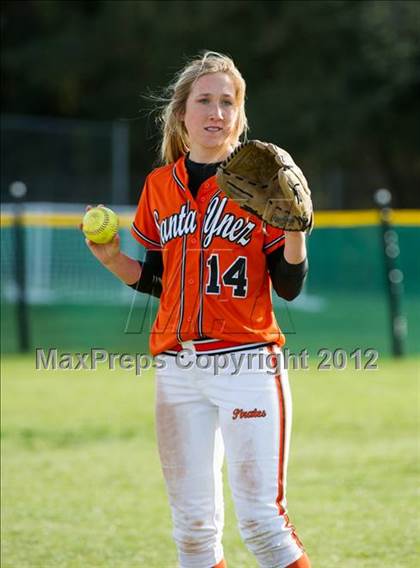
(215,281)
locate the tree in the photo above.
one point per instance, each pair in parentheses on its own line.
(335,82)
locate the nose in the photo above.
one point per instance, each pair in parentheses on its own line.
(216,111)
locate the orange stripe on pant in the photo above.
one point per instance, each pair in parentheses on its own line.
(280,493)
(282,450)
(221,564)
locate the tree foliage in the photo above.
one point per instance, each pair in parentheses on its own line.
(336,82)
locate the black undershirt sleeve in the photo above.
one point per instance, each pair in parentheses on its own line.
(150,281)
(287,279)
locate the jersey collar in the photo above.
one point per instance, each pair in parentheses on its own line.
(180,176)
(179,173)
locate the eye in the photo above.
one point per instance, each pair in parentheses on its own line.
(205,100)
(228,102)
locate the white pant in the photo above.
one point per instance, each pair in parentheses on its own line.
(247,415)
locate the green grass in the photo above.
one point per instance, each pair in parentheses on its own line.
(82,485)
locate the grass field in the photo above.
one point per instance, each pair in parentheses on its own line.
(82,485)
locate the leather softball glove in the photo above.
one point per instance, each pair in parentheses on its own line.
(264,180)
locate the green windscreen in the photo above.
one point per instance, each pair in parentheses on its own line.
(75,304)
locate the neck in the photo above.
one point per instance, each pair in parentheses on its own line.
(209,155)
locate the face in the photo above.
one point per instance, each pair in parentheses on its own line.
(210,117)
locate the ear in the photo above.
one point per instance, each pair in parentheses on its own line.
(180,115)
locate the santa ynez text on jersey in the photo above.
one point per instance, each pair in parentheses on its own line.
(217,223)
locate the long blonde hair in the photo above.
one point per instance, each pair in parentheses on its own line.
(174,142)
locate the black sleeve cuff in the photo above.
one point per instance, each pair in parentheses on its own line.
(150,281)
(287,279)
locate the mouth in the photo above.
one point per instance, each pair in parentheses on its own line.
(213,128)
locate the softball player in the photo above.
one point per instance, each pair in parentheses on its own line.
(221,389)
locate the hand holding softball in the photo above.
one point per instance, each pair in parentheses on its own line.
(100,227)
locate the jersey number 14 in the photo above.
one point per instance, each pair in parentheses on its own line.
(235,276)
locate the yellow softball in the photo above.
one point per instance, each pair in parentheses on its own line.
(100,225)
